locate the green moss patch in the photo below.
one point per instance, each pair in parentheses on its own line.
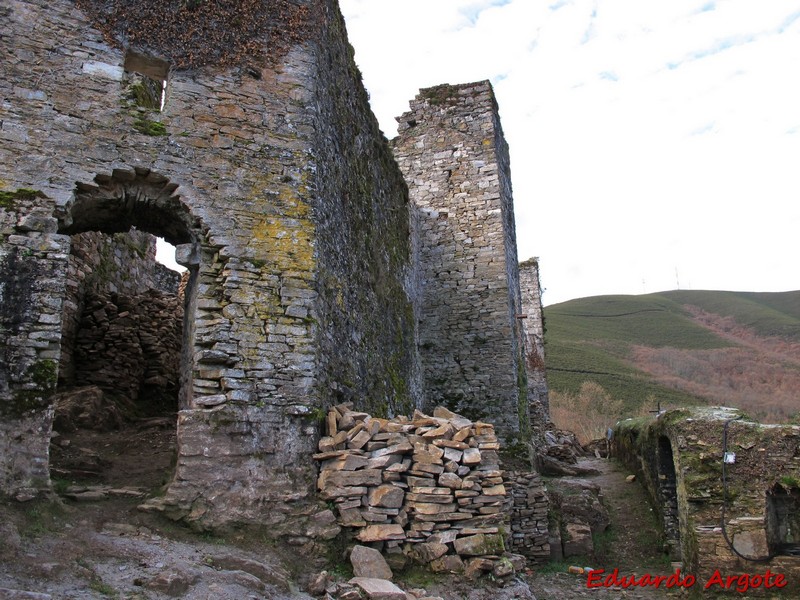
(8,199)
(148,127)
(439,95)
(43,375)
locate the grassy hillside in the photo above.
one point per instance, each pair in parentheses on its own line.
(680,347)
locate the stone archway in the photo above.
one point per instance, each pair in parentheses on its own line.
(111,293)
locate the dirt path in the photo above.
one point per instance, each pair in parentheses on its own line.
(90,548)
(631,544)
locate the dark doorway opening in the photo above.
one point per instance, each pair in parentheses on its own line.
(783,519)
(668,492)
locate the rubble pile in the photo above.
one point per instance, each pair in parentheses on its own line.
(429,487)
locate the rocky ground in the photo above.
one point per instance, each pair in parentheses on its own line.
(96,544)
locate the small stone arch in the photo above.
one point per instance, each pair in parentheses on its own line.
(126,198)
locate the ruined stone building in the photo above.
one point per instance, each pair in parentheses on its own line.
(726,489)
(323,265)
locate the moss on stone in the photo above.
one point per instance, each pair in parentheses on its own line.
(789,481)
(441,94)
(142,95)
(43,374)
(8,199)
(148,127)
(522,402)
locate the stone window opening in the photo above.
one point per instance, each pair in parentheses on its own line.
(147,80)
(127,366)
(668,496)
(783,519)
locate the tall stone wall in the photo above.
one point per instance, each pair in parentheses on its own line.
(32,272)
(452,152)
(270,175)
(533,331)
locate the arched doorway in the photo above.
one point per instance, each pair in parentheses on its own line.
(127,335)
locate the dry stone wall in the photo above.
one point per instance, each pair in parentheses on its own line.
(100,264)
(452,152)
(130,347)
(527,506)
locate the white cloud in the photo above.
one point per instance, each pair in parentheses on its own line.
(646,136)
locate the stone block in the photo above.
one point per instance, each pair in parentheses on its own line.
(369,562)
(379,533)
(378,589)
(577,540)
(387,496)
(479,545)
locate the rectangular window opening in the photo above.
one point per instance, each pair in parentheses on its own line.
(147,80)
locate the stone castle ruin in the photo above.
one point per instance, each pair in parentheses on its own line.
(324,266)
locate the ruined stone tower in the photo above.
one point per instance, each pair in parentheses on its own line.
(455,159)
(533,328)
(311,280)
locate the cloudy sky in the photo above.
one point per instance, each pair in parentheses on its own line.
(655,144)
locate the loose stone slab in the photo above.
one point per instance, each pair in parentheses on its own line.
(479,545)
(378,589)
(379,533)
(369,563)
(387,496)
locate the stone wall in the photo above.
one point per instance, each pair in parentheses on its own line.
(271,177)
(679,458)
(101,264)
(130,346)
(533,331)
(32,272)
(314,277)
(452,152)
(527,506)
(430,488)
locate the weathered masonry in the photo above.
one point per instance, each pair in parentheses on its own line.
(727,489)
(308,267)
(452,152)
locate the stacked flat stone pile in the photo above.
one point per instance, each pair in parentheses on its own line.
(528,506)
(430,486)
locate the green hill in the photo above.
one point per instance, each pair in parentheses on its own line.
(680,347)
